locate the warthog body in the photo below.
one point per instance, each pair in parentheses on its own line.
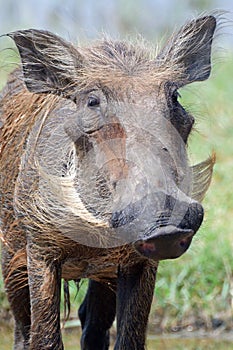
(95,181)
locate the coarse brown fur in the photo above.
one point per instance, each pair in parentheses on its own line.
(36,254)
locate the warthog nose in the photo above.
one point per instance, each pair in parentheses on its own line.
(167,242)
(164,236)
(171,241)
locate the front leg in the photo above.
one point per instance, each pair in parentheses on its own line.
(134,297)
(45,286)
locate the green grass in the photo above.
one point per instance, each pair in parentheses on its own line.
(199,286)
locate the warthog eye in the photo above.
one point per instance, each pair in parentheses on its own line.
(93,101)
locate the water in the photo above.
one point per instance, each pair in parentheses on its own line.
(189,344)
(171,343)
(71,341)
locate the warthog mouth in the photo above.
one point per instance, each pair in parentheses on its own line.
(167,242)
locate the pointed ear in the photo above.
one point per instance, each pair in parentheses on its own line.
(188,52)
(50,64)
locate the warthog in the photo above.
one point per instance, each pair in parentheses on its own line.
(95,180)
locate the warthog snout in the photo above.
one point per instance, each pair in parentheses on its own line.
(166,236)
(170,242)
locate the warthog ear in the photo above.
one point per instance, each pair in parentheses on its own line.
(188,52)
(50,64)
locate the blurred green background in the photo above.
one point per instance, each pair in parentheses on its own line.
(197,289)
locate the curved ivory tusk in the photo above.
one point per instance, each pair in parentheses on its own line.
(201,177)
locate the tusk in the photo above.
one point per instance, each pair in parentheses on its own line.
(201,177)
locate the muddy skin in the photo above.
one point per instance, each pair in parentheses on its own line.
(95,181)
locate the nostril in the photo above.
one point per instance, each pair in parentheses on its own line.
(184,242)
(148,247)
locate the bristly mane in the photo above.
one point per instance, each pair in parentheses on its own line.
(109,61)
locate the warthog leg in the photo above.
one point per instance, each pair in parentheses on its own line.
(135,291)
(97,314)
(16,283)
(45,287)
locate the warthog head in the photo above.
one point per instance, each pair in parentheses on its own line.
(110,156)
